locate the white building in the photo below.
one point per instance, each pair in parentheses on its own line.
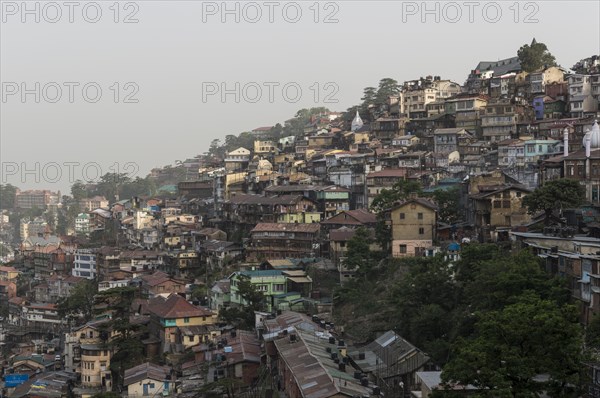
(84,265)
(82,223)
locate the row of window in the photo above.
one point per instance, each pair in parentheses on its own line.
(419,216)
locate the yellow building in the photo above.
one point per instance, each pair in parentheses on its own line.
(170,315)
(9,274)
(87,353)
(413,225)
(264,147)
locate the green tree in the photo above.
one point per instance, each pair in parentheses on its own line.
(80,302)
(535,56)
(556,194)
(400,191)
(387,87)
(499,280)
(513,345)
(79,190)
(126,345)
(448,204)
(359,256)
(423,306)
(7,196)
(253,300)
(384,201)
(110,185)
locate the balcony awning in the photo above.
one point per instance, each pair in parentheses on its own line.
(300,279)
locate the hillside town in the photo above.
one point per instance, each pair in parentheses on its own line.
(230,274)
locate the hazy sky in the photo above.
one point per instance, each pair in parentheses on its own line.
(180,53)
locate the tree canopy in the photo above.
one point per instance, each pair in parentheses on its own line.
(535,56)
(80,302)
(401,190)
(7,196)
(556,194)
(359,256)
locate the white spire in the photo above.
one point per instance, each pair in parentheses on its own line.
(357,123)
(595,135)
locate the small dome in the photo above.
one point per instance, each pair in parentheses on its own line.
(264,164)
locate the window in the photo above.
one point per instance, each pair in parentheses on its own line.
(420,216)
(421,231)
(186,320)
(403,249)
(506,204)
(402,216)
(279,287)
(497,204)
(518,194)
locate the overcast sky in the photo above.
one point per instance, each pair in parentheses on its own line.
(178,55)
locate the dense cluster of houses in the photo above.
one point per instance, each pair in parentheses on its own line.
(278,213)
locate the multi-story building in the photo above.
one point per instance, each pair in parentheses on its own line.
(377,181)
(82,223)
(277,241)
(540,79)
(446,141)
(581,98)
(467,108)
(502,118)
(84,265)
(96,202)
(584,166)
(237,160)
(38,227)
(40,199)
(88,354)
(171,319)
(498,209)
(418,94)
(264,147)
(413,225)
(41,315)
(478,80)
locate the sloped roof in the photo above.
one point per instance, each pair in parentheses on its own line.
(358,216)
(275,227)
(175,306)
(500,67)
(388,173)
(421,201)
(341,234)
(389,355)
(146,371)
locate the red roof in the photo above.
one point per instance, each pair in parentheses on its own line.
(175,307)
